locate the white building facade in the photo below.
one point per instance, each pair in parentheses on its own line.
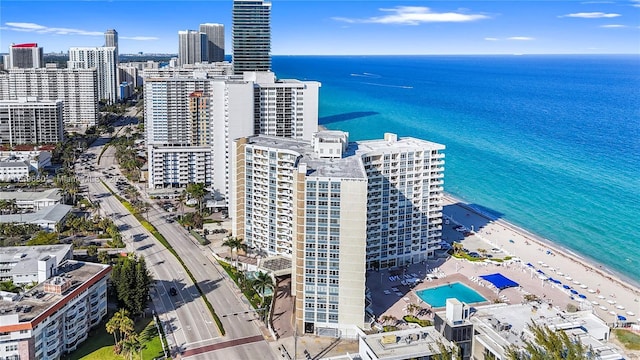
(104,60)
(325,204)
(31,121)
(192,47)
(229,107)
(77,88)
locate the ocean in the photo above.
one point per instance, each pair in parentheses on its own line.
(548,143)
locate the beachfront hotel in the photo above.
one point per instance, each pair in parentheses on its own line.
(337,209)
(55,316)
(251,35)
(78,88)
(218,109)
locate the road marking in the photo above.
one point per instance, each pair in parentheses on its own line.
(222,345)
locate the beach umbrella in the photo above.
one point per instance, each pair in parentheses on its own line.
(622,318)
(566,287)
(574,292)
(630,313)
(582,296)
(530,264)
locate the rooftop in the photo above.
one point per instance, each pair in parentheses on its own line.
(51,214)
(24,259)
(34,305)
(403,344)
(52,194)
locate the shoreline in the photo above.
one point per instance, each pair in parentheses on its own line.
(589,264)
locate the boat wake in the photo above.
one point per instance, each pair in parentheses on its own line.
(387,85)
(367,75)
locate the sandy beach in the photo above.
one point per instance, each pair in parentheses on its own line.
(594,289)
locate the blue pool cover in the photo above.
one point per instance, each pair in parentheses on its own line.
(500,281)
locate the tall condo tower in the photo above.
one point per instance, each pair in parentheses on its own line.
(251,34)
(215,41)
(25,56)
(192,47)
(111,40)
(104,60)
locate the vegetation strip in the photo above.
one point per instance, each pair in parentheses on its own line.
(147,225)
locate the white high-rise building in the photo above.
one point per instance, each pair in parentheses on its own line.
(192,47)
(31,121)
(251,35)
(337,209)
(78,88)
(25,56)
(236,106)
(215,41)
(104,60)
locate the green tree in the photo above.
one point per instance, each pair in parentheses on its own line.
(548,344)
(104,257)
(132,282)
(197,191)
(262,283)
(92,250)
(43,238)
(388,320)
(235,243)
(120,325)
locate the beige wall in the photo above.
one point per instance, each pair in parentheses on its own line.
(353,219)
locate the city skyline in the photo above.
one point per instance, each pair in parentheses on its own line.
(343,28)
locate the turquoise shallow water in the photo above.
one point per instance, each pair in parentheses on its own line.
(549,143)
(437,296)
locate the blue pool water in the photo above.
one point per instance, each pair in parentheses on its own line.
(437,296)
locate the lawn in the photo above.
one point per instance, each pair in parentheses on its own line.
(630,340)
(99,344)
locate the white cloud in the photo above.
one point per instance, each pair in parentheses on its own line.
(491,39)
(41,29)
(635,3)
(520,38)
(413,15)
(139,38)
(613,26)
(31,27)
(591,15)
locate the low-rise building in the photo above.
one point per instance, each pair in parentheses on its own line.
(12,171)
(421,343)
(55,316)
(33,200)
(48,218)
(25,264)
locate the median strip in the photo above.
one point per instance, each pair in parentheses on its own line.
(147,225)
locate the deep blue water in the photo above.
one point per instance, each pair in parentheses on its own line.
(550,143)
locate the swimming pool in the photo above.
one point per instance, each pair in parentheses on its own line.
(437,296)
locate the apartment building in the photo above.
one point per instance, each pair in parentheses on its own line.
(55,316)
(25,56)
(228,107)
(192,47)
(31,121)
(104,60)
(215,41)
(337,209)
(22,264)
(251,35)
(77,88)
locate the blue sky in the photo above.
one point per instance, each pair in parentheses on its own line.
(334,27)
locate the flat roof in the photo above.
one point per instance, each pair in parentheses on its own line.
(408,343)
(35,304)
(52,194)
(24,259)
(51,214)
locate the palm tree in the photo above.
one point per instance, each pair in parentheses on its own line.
(120,325)
(413,308)
(388,319)
(261,283)
(550,344)
(197,191)
(237,244)
(457,248)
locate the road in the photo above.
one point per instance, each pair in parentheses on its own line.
(192,332)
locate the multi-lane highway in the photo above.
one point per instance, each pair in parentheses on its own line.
(190,329)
